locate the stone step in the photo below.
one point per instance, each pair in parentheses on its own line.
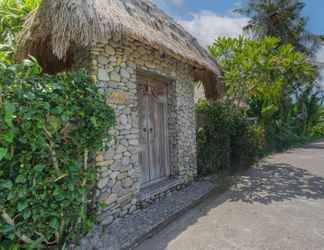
(129,232)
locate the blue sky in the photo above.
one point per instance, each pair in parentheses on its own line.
(182,8)
(208,19)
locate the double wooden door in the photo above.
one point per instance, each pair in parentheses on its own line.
(153,156)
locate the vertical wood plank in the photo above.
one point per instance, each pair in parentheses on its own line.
(153,110)
(143,120)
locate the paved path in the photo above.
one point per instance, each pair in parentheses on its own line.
(277,205)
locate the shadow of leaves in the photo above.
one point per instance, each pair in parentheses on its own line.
(269,183)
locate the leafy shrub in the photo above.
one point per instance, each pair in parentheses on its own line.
(213,138)
(225,137)
(277,83)
(248,146)
(48,126)
(317,132)
(281,136)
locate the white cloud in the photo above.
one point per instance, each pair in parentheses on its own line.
(206,26)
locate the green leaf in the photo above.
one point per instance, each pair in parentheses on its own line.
(7,184)
(21,179)
(94,121)
(22,205)
(39,168)
(10,108)
(268,111)
(54,123)
(55,223)
(36,244)
(3,153)
(8,119)
(26,214)
(40,124)
(6,228)
(8,137)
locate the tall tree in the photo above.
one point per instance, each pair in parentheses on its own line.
(275,80)
(282,19)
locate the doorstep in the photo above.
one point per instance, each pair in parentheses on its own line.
(152,193)
(129,232)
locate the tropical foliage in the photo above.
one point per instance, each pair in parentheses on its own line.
(226,139)
(12,15)
(275,81)
(282,19)
(49,127)
(318,130)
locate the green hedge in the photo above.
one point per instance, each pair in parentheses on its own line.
(225,137)
(48,126)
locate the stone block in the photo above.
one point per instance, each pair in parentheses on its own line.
(115,76)
(102,75)
(108,198)
(128,182)
(109,50)
(124,73)
(133,142)
(103,182)
(104,163)
(107,221)
(103,60)
(122,175)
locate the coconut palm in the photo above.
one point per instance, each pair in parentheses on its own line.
(282,19)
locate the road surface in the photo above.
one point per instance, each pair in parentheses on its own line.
(276,205)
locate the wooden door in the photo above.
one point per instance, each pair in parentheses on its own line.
(153,155)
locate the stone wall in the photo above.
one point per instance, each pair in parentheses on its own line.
(115,64)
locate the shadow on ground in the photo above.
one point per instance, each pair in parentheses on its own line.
(277,182)
(267,183)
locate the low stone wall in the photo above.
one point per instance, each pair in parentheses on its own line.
(119,177)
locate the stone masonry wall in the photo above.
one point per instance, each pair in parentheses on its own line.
(115,64)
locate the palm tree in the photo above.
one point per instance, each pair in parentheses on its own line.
(282,19)
(310,107)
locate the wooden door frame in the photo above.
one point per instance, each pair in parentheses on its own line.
(154,77)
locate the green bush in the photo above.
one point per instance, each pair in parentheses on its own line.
(213,138)
(249,145)
(48,126)
(317,132)
(225,137)
(282,136)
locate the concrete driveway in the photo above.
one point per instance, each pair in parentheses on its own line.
(276,205)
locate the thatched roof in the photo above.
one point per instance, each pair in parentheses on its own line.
(58,25)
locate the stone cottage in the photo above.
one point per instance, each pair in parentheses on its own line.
(146,65)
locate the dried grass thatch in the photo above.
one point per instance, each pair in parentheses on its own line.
(51,31)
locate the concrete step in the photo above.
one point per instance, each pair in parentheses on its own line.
(129,232)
